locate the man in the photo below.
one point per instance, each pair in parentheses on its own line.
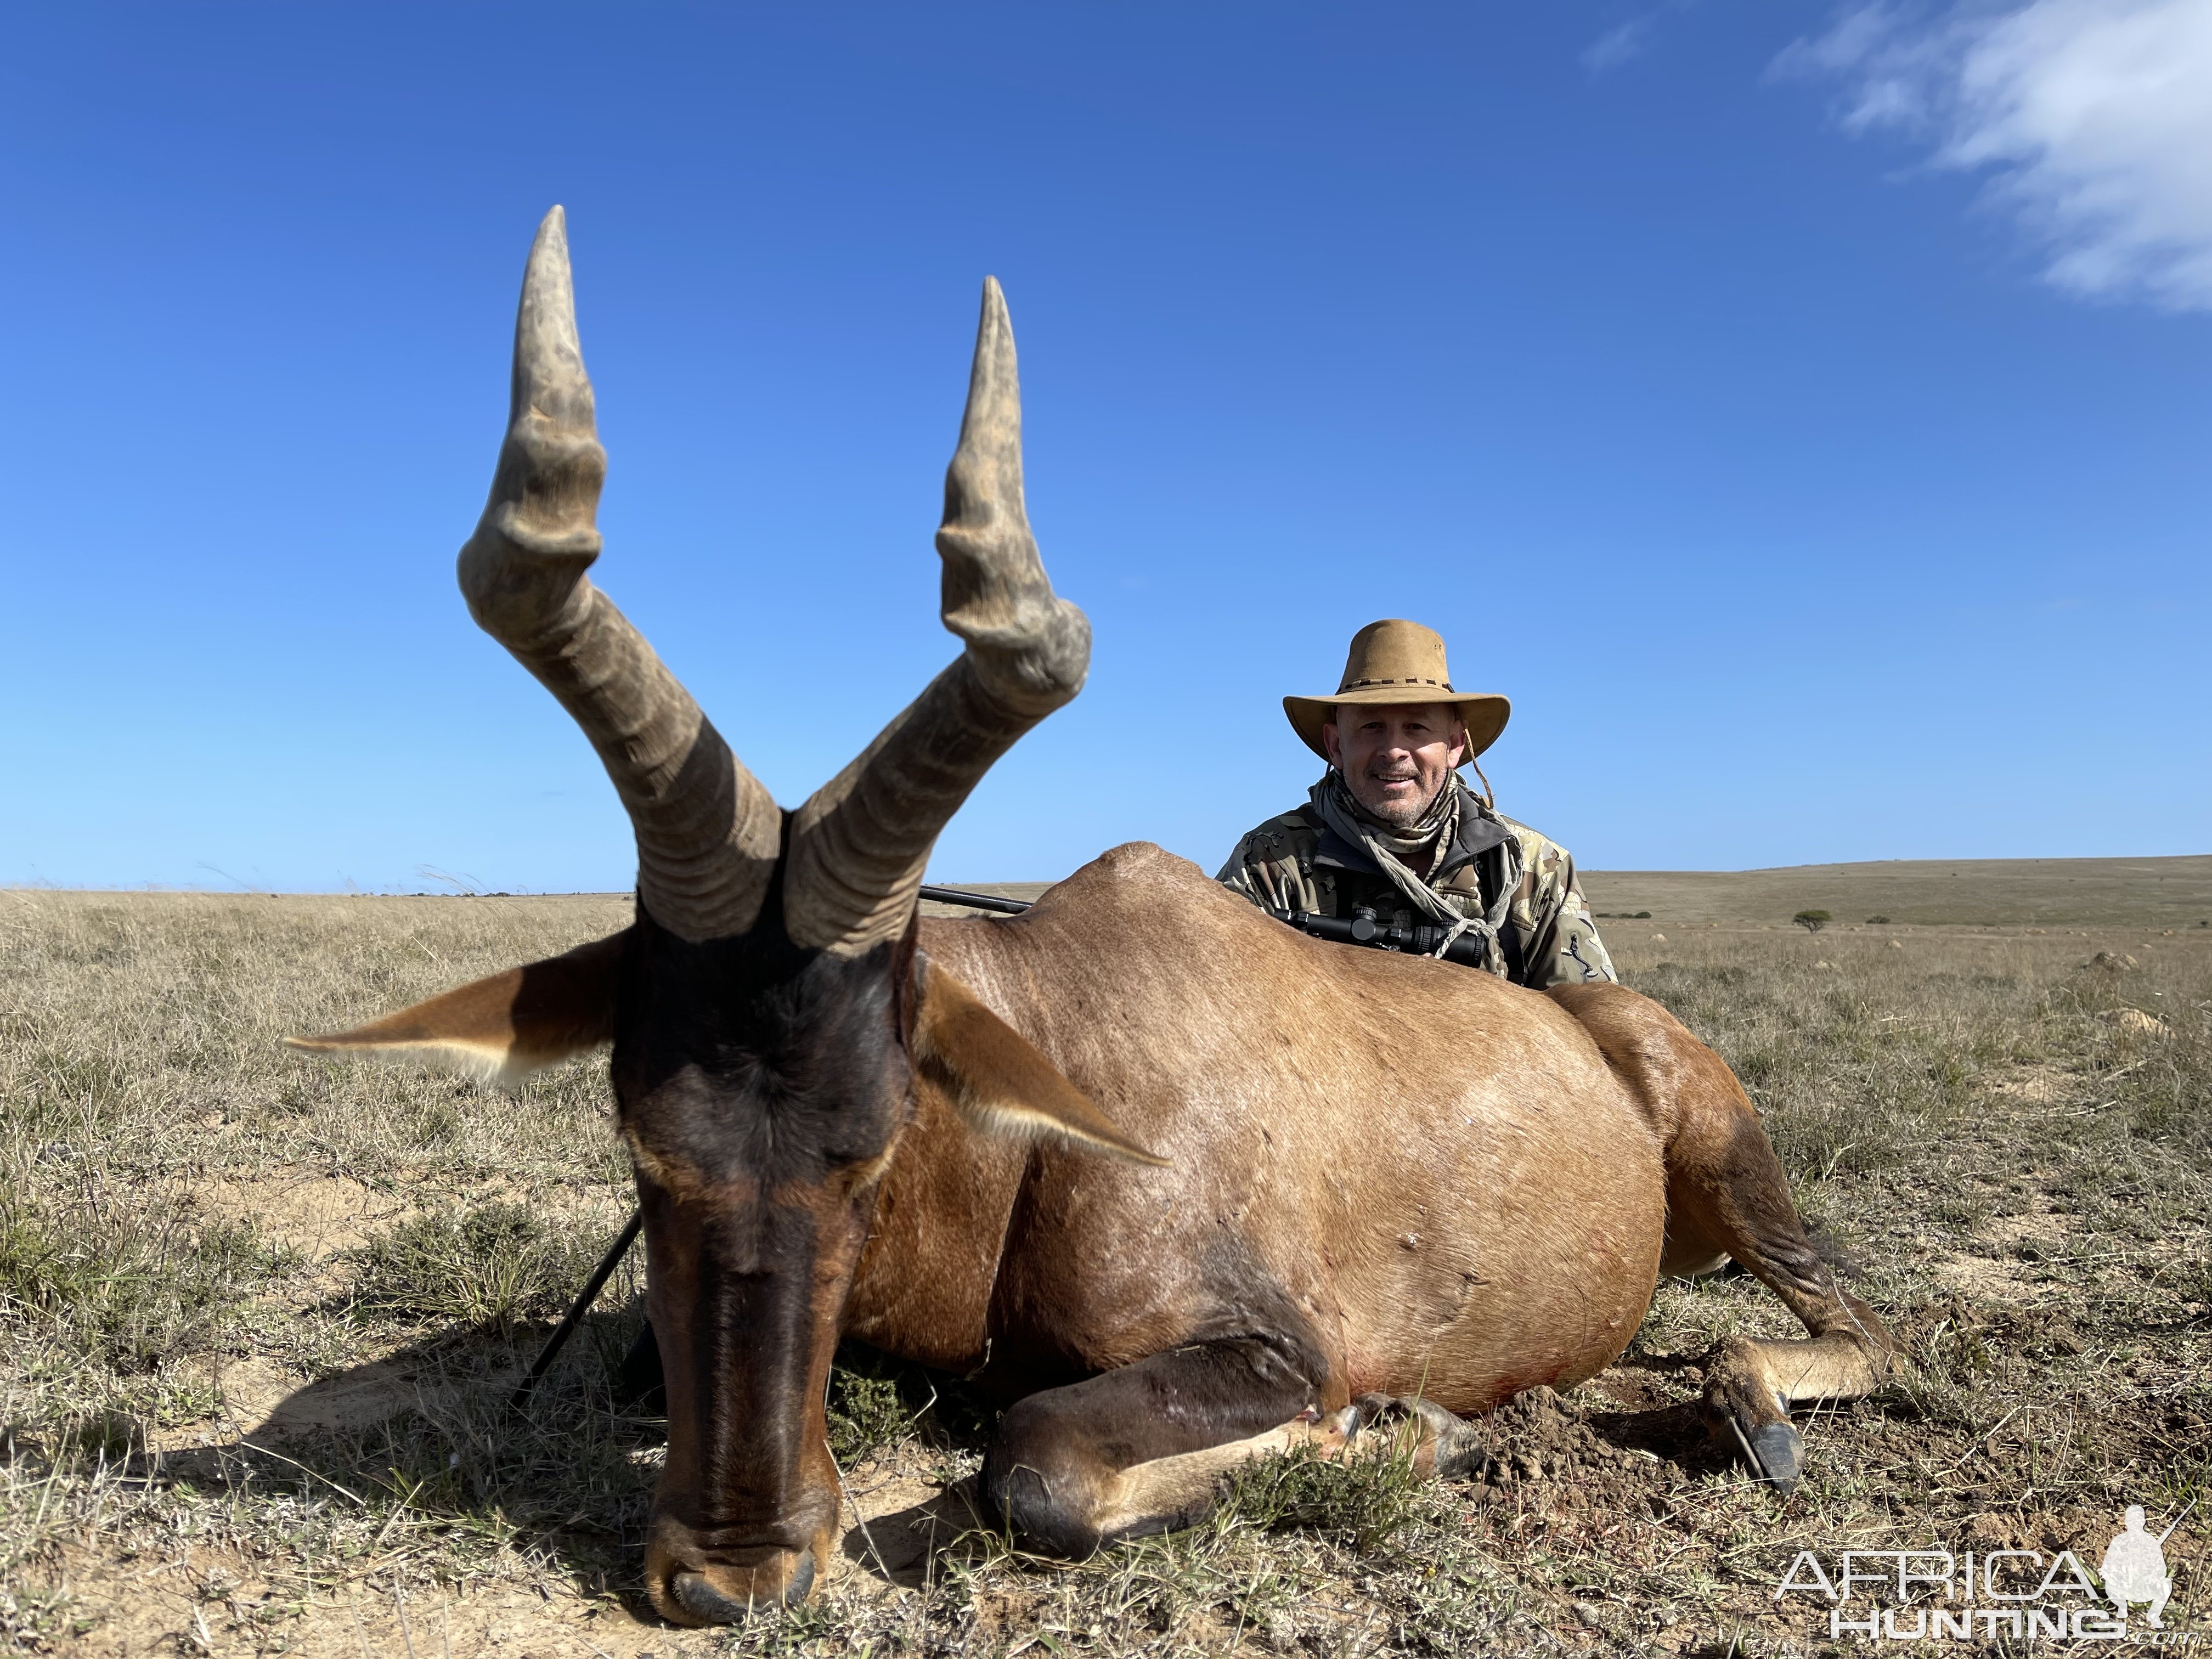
(1390,827)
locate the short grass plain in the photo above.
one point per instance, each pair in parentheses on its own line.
(259,1314)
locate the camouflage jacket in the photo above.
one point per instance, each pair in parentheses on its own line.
(1496,868)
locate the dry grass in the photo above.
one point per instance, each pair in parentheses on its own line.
(2155,893)
(261,1314)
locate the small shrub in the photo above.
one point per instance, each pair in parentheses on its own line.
(1811,920)
(865,1415)
(490,1268)
(1877,921)
(131,1286)
(1363,1499)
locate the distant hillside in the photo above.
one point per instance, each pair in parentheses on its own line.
(2173,892)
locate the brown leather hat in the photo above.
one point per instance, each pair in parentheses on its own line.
(1395,661)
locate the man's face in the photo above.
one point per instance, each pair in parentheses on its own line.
(1395,756)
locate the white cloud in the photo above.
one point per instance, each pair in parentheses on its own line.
(2093,119)
(1617,45)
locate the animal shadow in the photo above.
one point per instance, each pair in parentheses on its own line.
(903,1546)
(1649,1417)
(432,1429)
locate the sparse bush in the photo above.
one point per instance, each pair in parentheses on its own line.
(489,1269)
(130,1286)
(1811,920)
(866,1415)
(1877,921)
(1363,1499)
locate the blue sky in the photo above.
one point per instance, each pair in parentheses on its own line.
(1810,439)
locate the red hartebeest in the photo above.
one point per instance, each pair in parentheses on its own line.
(1329,1174)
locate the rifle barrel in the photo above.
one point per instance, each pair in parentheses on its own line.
(1004,906)
(581,1306)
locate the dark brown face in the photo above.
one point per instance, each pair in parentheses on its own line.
(763,1089)
(763,1080)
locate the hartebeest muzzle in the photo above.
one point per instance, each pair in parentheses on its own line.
(760,1118)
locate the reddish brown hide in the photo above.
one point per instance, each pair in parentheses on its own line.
(1379,1176)
(1383,1175)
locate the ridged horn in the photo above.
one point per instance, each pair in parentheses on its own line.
(708,833)
(859,845)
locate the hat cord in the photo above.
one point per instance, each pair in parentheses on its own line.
(1489,795)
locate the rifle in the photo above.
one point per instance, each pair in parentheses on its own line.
(1421,939)
(1363,928)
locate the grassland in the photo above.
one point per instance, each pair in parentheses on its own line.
(259,1314)
(2155,893)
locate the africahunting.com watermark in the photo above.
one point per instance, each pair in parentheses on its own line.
(1965,1595)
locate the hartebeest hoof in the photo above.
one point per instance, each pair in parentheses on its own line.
(1444,1444)
(1777,1449)
(1773,1448)
(1746,1412)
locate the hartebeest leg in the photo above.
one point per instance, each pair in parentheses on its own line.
(1144,1448)
(1726,1191)
(1149,1448)
(1726,1195)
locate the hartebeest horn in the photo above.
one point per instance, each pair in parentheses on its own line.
(708,832)
(859,845)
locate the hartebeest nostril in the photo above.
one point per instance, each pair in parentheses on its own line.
(743,1588)
(703,1601)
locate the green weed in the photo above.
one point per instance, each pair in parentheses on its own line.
(488,1268)
(128,1285)
(1363,1499)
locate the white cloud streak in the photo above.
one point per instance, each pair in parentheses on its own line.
(1617,45)
(2092,119)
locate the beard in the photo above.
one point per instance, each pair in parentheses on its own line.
(1404,812)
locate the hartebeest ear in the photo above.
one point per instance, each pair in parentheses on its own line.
(996,1079)
(508,1025)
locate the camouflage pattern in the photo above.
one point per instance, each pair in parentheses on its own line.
(1497,868)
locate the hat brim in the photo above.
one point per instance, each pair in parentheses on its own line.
(1483,713)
